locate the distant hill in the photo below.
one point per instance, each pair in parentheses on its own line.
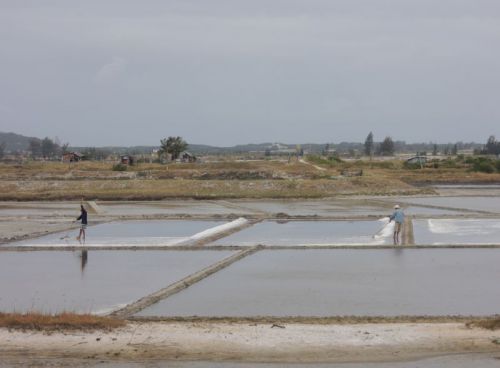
(203,149)
(15,142)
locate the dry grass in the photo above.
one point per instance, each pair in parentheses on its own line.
(200,189)
(263,169)
(62,321)
(488,324)
(445,176)
(218,180)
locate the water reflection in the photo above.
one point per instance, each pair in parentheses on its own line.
(84,260)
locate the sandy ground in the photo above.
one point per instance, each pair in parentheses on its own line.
(256,342)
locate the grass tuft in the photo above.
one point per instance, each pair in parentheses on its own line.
(54,322)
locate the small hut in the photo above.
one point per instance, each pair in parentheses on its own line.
(420,160)
(187,157)
(127,160)
(71,156)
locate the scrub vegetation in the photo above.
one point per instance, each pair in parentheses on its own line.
(55,322)
(489,324)
(315,176)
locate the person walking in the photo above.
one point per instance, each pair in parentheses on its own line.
(83,218)
(399,217)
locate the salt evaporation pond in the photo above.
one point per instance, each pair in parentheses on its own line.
(427,211)
(457,231)
(185,207)
(336,282)
(337,208)
(310,208)
(483,360)
(128,233)
(300,233)
(96,282)
(39,209)
(488,204)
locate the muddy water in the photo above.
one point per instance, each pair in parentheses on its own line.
(93,281)
(346,282)
(296,233)
(452,231)
(151,232)
(450,361)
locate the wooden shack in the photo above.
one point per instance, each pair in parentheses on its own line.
(71,156)
(127,160)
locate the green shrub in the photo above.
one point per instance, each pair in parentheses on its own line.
(319,160)
(119,167)
(469,160)
(410,166)
(448,163)
(335,159)
(483,166)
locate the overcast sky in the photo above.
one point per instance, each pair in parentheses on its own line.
(224,72)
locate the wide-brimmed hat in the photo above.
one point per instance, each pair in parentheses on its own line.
(396,207)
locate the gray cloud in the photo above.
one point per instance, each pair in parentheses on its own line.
(111,70)
(228,71)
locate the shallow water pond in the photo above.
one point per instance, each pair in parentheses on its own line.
(457,231)
(336,282)
(95,281)
(489,204)
(312,207)
(490,360)
(187,207)
(298,233)
(133,233)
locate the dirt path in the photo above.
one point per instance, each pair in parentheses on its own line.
(315,166)
(256,342)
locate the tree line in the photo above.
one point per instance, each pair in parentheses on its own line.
(46,148)
(492,146)
(173,146)
(388,147)
(385,148)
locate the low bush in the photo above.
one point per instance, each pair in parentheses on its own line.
(119,167)
(320,160)
(411,166)
(483,164)
(449,164)
(485,167)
